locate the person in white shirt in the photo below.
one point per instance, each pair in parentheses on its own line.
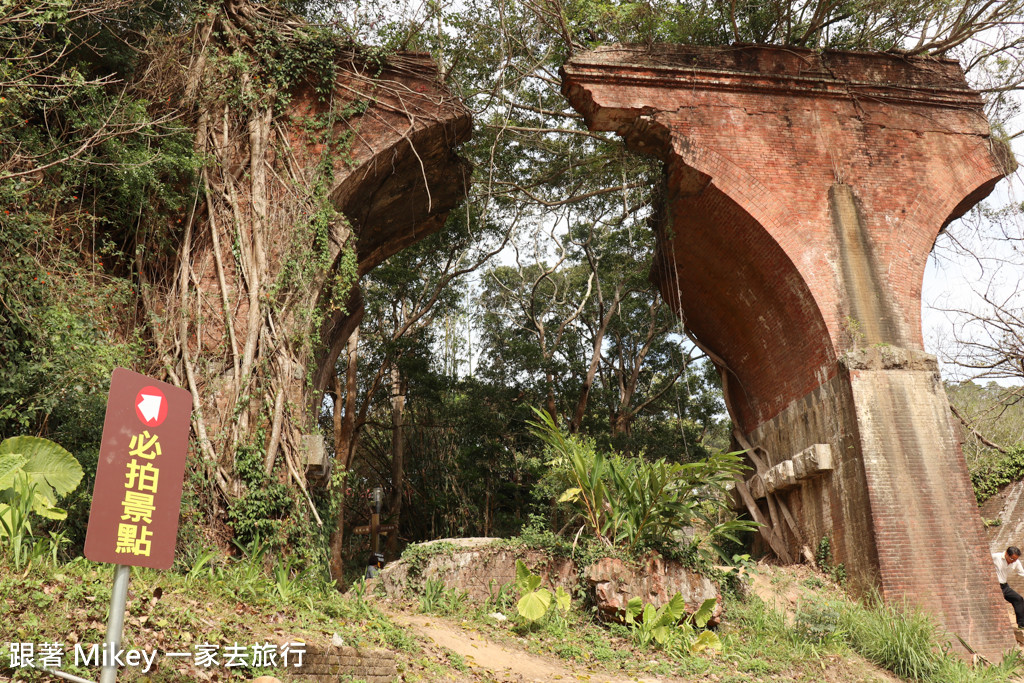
(1005,563)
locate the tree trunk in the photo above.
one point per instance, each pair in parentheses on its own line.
(397,457)
(344,449)
(617,423)
(487,507)
(623,416)
(346,436)
(595,360)
(550,403)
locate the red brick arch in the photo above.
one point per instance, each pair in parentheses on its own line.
(737,289)
(803,194)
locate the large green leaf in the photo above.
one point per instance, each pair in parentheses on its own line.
(570,495)
(674,609)
(10,465)
(53,470)
(703,615)
(50,512)
(633,608)
(25,497)
(522,576)
(562,599)
(534,605)
(707,640)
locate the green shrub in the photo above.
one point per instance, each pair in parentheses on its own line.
(261,514)
(537,534)
(819,623)
(989,475)
(34,474)
(661,627)
(437,598)
(633,504)
(417,555)
(823,556)
(501,598)
(953,669)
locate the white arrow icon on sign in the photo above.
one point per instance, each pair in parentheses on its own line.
(149,406)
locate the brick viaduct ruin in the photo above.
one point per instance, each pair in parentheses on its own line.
(803,193)
(394,182)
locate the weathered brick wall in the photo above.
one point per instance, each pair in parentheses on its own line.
(477,566)
(756,140)
(346,663)
(928,531)
(898,509)
(400,174)
(803,194)
(835,506)
(482,566)
(396,176)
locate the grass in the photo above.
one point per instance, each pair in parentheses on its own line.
(824,630)
(826,634)
(438,599)
(220,602)
(900,640)
(904,641)
(251,600)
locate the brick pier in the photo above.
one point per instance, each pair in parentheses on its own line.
(803,192)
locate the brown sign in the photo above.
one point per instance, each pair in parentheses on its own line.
(383,528)
(137,497)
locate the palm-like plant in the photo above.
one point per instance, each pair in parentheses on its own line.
(633,503)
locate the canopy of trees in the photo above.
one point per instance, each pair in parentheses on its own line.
(535,294)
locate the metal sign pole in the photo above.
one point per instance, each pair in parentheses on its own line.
(115,621)
(378,496)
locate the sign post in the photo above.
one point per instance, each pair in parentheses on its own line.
(375,528)
(137,497)
(115,619)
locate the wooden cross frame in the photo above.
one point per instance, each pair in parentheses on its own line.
(375,529)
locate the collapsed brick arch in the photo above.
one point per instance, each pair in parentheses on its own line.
(713,251)
(305,190)
(803,194)
(401,179)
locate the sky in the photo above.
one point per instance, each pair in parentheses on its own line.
(954,279)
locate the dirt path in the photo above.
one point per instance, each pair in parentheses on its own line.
(501,662)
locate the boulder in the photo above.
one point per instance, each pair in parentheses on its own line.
(612,583)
